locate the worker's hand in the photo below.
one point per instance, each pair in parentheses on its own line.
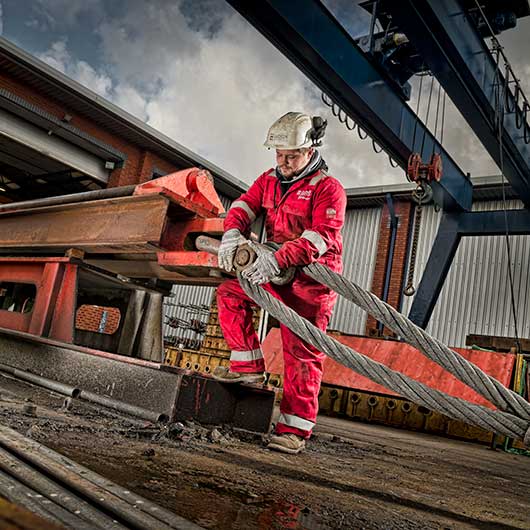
(227,250)
(264,268)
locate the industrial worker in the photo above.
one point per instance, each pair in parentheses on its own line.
(304,211)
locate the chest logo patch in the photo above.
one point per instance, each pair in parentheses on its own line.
(304,195)
(331,213)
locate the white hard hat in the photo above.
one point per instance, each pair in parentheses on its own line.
(295,130)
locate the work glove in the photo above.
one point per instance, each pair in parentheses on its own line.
(227,250)
(264,268)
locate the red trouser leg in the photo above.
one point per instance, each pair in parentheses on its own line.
(302,362)
(235,318)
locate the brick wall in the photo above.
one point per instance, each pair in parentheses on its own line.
(139,164)
(92,317)
(403,211)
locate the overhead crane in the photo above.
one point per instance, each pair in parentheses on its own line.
(369,79)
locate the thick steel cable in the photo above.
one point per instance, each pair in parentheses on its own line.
(467,372)
(491,420)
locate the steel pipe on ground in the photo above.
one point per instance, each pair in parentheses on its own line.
(32,453)
(121,406)
(60,388)
(89,516)
(14,491)
(75,392)
(136,511)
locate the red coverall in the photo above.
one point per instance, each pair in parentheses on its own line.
(307,221)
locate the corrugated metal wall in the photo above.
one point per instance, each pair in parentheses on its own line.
(360,235)
(476,296)
(186,295)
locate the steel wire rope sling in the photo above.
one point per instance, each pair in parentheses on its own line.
(515,422)
(432,348)
(491,420)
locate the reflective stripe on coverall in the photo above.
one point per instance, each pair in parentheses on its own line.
(307,221)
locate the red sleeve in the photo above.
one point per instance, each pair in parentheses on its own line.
(327,219)
(247,208)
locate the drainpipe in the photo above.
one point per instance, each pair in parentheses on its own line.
(394,221)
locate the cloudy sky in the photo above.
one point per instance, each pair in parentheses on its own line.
(198,72)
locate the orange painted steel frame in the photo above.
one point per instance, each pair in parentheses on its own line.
(193,210)
(400,357)
(162,217)
(55,281)
(192,189)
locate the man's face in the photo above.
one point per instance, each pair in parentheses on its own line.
(292,161)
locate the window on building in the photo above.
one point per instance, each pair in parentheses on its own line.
(158,173)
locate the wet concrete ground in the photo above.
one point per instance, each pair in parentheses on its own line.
(351,476)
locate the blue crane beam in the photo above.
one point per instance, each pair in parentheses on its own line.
(309,35)
(461,61)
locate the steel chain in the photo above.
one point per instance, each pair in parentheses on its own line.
(409,287)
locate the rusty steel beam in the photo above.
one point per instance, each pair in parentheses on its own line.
(126,224)
(151,269)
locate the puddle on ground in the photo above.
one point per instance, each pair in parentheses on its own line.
(287,515)
(278,515)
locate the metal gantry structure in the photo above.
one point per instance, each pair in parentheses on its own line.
(368,79)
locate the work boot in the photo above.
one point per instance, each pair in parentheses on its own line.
(286,443)
(224,375)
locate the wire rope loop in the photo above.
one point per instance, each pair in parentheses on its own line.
(520,115)
(353,124)
(507,95)
(526,126)
(335,109)
(360,132)
(422,195)
(377,148)
(326,99)
(392,162)
(409,290)
(413,390)
(342,116)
